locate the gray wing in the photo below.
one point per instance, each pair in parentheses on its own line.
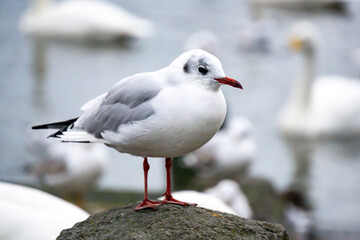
(126,102)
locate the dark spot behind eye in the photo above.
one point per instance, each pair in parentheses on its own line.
(186,68)
(202,70)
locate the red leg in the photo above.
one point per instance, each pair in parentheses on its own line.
(146,202)
(168,197)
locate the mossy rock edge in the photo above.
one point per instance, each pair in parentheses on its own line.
(171,222)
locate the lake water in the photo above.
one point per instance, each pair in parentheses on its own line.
(50,85)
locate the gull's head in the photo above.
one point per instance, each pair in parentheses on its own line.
(303,37)
(202,68)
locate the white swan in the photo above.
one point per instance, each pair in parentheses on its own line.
(232,147)
(70,169)
(82,20)
(31,214)
(324,107)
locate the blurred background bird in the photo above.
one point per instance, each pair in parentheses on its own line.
(232,149)
(254,36)
(203,39)
(203,200)
(230,192)
(326,106)
(70,170)
(28,213)
(82,20)
(225,196)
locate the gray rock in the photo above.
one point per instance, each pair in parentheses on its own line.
(171,222)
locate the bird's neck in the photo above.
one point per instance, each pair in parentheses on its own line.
(207,85)
(40,5)
(302,89)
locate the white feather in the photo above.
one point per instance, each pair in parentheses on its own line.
(78,136)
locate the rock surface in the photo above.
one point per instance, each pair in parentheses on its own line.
(171,222)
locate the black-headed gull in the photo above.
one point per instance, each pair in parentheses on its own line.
(166,113)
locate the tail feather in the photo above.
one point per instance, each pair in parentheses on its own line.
(62,126)
(57,133)
(66,132)
(56,125)
(78,136)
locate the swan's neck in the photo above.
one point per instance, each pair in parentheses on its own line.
(303,86)
(39,5)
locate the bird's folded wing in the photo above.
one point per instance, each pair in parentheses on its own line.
(126,102)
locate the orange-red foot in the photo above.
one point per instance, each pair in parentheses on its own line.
(148,204)
(171,200)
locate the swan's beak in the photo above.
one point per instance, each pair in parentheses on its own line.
(295,43)
(229,81)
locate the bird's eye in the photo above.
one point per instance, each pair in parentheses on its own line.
(202,70)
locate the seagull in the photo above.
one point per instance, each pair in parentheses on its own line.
(166,113)
(31,214)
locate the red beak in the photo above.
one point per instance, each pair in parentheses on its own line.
(229,81)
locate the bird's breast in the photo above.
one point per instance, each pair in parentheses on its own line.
(191,107)
(186,117)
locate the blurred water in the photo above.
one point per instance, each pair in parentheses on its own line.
(45,83)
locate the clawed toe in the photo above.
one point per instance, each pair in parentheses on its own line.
(148,204)
(168,197)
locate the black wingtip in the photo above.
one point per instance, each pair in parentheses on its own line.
(45,126)
(56,134)
(55,125)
